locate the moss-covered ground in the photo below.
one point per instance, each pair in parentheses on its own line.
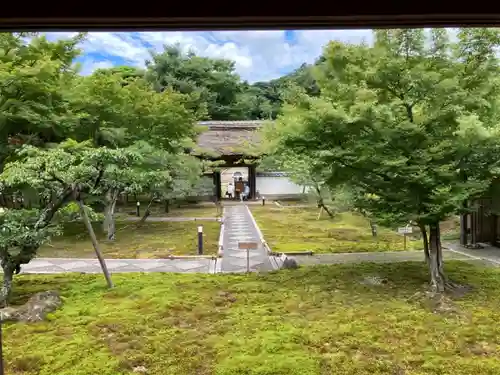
(150,240)
(311,321)
(299,229)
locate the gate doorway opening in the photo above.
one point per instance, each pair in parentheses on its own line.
(236,176)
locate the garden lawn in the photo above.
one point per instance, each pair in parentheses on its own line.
(298,229)
(311,321)
(151,240)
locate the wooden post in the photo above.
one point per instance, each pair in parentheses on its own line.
(248,260)
(404,231)
(93,238)
(200,240)
(248,246)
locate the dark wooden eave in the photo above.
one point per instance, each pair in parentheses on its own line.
(213,16)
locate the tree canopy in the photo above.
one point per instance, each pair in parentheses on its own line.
(411,122)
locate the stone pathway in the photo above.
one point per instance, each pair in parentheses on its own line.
(239,226)
(488,253)
(62,265)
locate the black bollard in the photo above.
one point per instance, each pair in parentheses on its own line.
(263,201)
(200,240)
(138,208)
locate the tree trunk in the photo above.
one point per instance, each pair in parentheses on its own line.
(109,211)
(327,211)
(438,279)
(147,212)
(88,225)
(373,227)
(425,239)
(321,204)
(8,274)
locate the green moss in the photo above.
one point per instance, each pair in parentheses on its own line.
(314,321)
(298,229)
(151,240)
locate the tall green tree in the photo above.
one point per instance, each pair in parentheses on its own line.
(101,102)
(397,121)
(70,172)
(35,78)
(212,82)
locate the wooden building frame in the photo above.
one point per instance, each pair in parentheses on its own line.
(482,224)
(230,144)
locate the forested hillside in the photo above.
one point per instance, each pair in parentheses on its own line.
(218,92)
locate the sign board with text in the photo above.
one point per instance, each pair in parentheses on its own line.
(405,230)
(248,245)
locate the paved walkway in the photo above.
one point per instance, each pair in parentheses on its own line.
(239,226)
(487,254)
(235,261)
(61,265)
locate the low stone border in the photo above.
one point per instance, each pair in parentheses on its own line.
(220,251)
(261,237)
(300,253)
(212,268)
(172,257)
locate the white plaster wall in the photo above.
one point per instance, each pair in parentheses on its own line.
(277,186)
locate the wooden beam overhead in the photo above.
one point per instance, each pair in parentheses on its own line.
(362,17)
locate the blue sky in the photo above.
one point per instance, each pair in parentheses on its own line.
(259,55)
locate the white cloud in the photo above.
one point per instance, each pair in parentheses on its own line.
(258,55)
(90,65)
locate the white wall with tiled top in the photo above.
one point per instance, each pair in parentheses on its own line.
(277,186)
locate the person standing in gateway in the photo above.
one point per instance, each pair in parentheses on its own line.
(230,190)
(239,186)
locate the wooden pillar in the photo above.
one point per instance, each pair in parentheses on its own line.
(464,226)
(463,229)
(474,228)
(252,181)
(217,183)
(493,231)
